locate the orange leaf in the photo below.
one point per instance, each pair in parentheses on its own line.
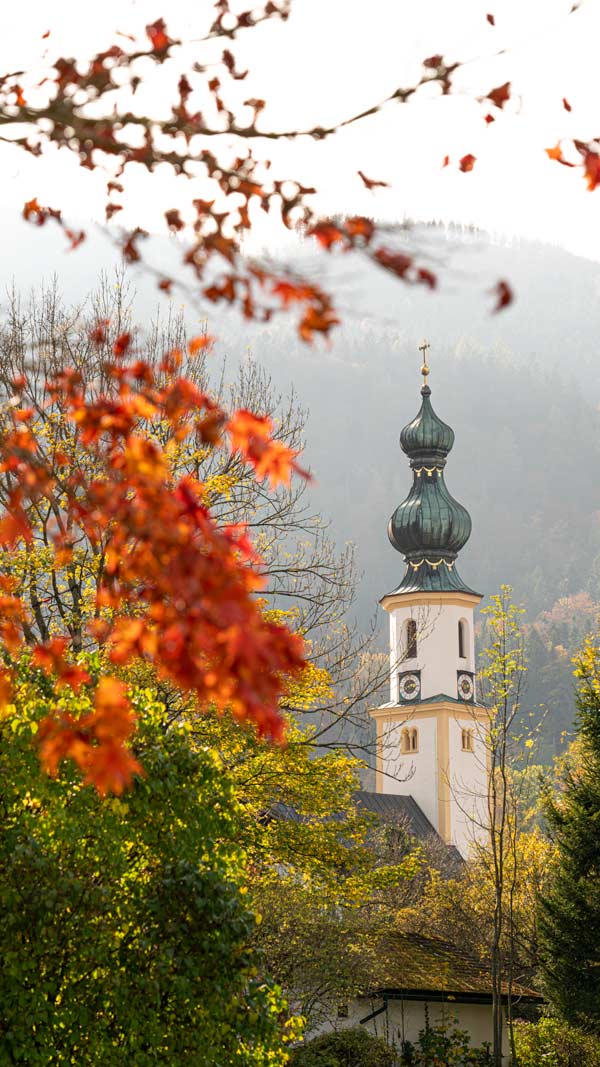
(566,104)
(158,37)
(198,344)
(317,321)
(592,169)
(326,234)
(467,162)
(556,153)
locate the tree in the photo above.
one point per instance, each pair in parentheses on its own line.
(175,587)
(60,576)
(124,931)
(570,907)
(501,675)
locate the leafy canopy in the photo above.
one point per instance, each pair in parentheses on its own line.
(125,932)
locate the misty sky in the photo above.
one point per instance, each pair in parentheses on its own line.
(334,57)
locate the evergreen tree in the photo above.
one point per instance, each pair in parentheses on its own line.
(570,909)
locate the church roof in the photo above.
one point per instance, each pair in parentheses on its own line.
(388,807)
(423,578)
(412,967)
(429,527)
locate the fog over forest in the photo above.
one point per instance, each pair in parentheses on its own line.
(521,390)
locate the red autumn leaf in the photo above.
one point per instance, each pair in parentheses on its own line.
(156,32)
(291,292)
(75,237)
(359,226)
(50,657)
(433,62)
(467,162)
(174,220)
(317,320)
(371,183)
(427,277)
(198,344)
(31,208)
(229,61)
(111,209)
(121,345)
(491,20)
(504,295)
(130,250)
(96,742)
(326,234)
(14,527)
(21,101)
(566,104)
(166,284)
(500,95)
(489,118)
(592,169)
(446,161)
(45,35)
(98,334)
(251,435)
(397,262)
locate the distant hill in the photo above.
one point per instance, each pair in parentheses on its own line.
(521,391)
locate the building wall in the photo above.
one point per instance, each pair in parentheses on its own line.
(404,1019)
(437,646)
(414,774)
(468,784)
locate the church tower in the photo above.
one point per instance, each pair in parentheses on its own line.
(431,736)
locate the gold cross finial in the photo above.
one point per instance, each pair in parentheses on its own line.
(425,368)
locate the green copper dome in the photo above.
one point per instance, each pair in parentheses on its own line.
(430,527)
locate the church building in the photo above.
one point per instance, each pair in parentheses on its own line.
(432,765)
(431,734)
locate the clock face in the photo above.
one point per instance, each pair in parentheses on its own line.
(466,689)
(410,687)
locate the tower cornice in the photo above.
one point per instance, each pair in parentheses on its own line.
(391,601)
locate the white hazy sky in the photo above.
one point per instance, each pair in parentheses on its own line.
(334,57)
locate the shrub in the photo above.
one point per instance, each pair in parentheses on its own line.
(345,1048)
(551,1043)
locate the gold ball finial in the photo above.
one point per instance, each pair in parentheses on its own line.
(425,368)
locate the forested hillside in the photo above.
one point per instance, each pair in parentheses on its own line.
(521,391)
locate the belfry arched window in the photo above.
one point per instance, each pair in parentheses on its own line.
(467,739)
(409,740)
(411,639)
(462,639)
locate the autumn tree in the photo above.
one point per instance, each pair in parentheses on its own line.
(125,931)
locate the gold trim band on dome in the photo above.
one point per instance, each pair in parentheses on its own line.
(432,563)
(429,470)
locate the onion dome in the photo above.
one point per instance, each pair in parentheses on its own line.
(429,527)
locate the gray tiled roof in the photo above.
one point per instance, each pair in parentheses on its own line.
(391,806)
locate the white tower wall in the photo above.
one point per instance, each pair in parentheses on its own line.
(437,645)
